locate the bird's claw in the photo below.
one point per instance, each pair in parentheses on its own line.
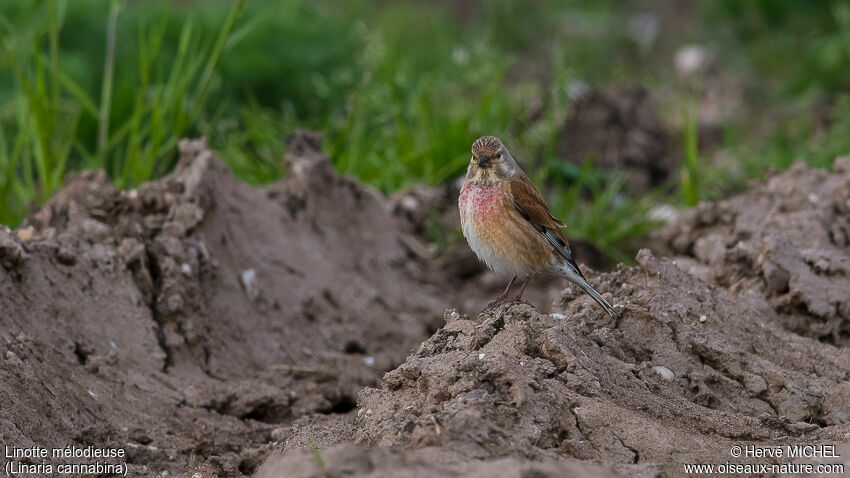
(498,301)
(504,300)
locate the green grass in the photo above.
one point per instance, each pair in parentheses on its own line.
(690,181)
(317,455)
(402,90)
(40,123)
(794,57)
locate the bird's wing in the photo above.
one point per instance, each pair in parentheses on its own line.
(531,206)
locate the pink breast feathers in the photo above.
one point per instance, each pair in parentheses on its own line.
(481,201)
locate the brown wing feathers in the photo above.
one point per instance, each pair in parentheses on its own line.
(531,205)
(529,200)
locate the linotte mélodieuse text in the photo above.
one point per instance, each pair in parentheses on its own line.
(24,460)
(71,451)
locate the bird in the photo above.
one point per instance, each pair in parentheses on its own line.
(509,226)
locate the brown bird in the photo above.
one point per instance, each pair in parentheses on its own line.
(508,224)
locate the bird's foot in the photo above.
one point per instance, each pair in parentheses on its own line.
(502,299)
(517,299)
(495,303)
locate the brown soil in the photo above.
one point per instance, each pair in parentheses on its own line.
(787,240)
(689,371)
(195,316)
(213,329)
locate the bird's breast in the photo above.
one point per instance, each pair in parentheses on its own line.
(480,202)
(496,232)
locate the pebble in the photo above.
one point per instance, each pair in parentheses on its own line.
(249,283)
(776,276)
(481,356)
(663,213)
(689,58)
(66,256)
(280,434)
(664,372)
(703,319)
(11,253)
(25,234)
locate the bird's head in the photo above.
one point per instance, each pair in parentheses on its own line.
(491,162)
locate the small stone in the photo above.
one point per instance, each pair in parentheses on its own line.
(132,251)
(664,372)
(689,58)
(842,164)
(66,256)
(249,283)
(481,356)
(11,253)
(174,303)
(280,433)
(755,384)
(94,227)
(775,276)
(12,358)
(710,249)
(25,234)
(474,394)
(703,319)
(663,213)
(450,315)
(189,215)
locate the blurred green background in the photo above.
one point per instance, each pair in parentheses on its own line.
(702,94)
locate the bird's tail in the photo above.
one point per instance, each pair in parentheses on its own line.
(574,274)
(597,297)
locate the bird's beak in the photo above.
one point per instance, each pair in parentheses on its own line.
(483,162)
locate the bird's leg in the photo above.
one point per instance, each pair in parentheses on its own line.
(525,283)
(508,288)
(501,298)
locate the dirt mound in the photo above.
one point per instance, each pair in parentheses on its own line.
(350,460)
(197,315)
(664,385)
(199,324)
(621,131)
(788,240)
